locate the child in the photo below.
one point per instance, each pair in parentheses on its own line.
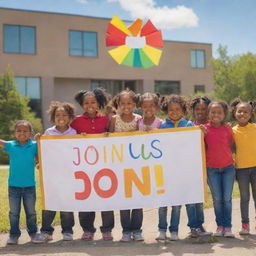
(199,109)
(149,103)
(23,154)
(61,114)
(175,107)
(245,140)
(199,106)
(219,163)
(127,121)
(92,122)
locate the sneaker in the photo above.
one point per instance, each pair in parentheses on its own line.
(12,240)
(194,233)
(67,236)
(87,236)
(137,236)
(41,238)
(174,236)
(161,235)
(245,229)
(228,233)
(126,237)
(107,236)
(219,231)
(203,232)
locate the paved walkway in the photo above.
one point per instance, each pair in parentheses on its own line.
(239,246)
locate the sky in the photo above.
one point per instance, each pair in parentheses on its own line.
(230,23)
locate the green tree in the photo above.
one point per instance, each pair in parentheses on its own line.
(13,107)
(234,76)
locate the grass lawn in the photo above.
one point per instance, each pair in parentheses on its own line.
(4,206)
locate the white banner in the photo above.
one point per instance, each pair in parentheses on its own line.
(122,171)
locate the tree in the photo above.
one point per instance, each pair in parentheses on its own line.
(13,107)
(234,76)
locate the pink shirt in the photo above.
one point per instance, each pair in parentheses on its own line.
(155,125)
(218,146)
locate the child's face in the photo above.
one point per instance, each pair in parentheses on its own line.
(200,112)
(62,118)
(148,108)
(23,133)
(126,105)
(90,105)
(175,112)
(243,114)
(216,114)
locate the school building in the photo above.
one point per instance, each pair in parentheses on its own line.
(54,55)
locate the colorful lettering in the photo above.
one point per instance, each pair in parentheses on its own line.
(114,183)
(131,177)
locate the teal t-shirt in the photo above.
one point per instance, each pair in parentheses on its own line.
(22,163)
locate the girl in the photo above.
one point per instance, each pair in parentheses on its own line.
(175,107)
(92,122)
(23,154)
(127,121)
(245,140)
(149,103)
(199,109)
(61,114)
(219,163)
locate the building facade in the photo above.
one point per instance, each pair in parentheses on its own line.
(55,55)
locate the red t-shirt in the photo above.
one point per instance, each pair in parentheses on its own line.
(218,146)
(86,124)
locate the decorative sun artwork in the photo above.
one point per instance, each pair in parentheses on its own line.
(136,45)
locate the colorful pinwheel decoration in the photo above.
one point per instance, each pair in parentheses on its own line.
(136,46)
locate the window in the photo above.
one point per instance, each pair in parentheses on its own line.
(30,87)
(113,87)
(197,58)
(167,87)
(83,43)
(19,39)
(199,88)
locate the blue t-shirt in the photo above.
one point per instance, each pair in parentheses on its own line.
(22,163)
(181,123)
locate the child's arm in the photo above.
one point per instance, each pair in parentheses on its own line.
(2,142)
(112,124)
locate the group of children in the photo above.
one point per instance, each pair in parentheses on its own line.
(221,142)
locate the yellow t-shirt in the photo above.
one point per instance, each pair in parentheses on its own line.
(245,139)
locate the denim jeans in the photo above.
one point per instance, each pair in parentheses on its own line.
(193,221)
(221,181)
(246,177)
(28,195)
(131,220)
(86,220)
(66,218)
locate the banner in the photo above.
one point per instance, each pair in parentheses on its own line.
(123,170)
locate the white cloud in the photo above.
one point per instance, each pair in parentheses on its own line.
(82,1)
(162,16)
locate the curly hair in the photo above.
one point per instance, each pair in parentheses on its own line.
(199,100)
(55,105)
(237,101)
(149,96)
(178,99)
(99,93)
(127,92)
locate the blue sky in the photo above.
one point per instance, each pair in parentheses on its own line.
(227,22)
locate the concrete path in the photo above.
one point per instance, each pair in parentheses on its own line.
(239,246)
